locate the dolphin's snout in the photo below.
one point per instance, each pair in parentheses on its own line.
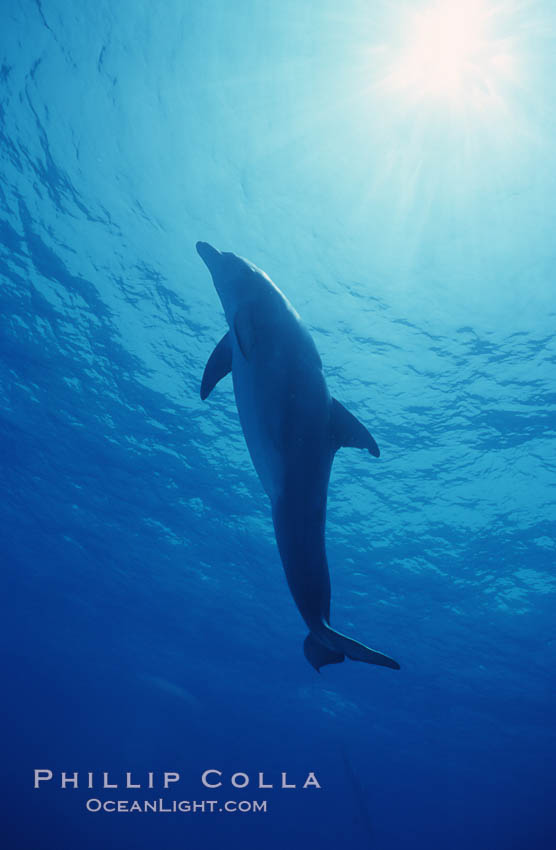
(207,253)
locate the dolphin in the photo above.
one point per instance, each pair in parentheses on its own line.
(292,427)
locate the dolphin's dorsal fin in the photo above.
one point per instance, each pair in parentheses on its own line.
(348,431)
(218,366)
(245,330)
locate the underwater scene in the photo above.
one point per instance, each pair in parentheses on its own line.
(172,647)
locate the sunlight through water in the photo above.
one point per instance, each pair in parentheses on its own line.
(452,51)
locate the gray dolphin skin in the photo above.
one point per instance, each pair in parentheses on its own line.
(292,427)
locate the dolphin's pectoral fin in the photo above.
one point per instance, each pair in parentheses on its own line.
(317,654)
(348,431)
(245,330)
(218,366)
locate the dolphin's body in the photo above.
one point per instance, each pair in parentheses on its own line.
(292,427)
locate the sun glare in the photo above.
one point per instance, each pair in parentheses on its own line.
(449,51)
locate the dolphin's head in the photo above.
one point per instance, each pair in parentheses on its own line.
(236,280)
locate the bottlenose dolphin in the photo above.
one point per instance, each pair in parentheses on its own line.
(292,427)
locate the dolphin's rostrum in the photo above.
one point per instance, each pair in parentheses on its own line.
(292,427)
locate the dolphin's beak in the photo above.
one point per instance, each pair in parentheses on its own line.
(209,255)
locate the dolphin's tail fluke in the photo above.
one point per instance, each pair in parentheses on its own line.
(330,647)
(317,654)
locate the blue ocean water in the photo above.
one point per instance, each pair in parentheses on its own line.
(148,622)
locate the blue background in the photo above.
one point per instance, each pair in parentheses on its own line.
(148,623)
